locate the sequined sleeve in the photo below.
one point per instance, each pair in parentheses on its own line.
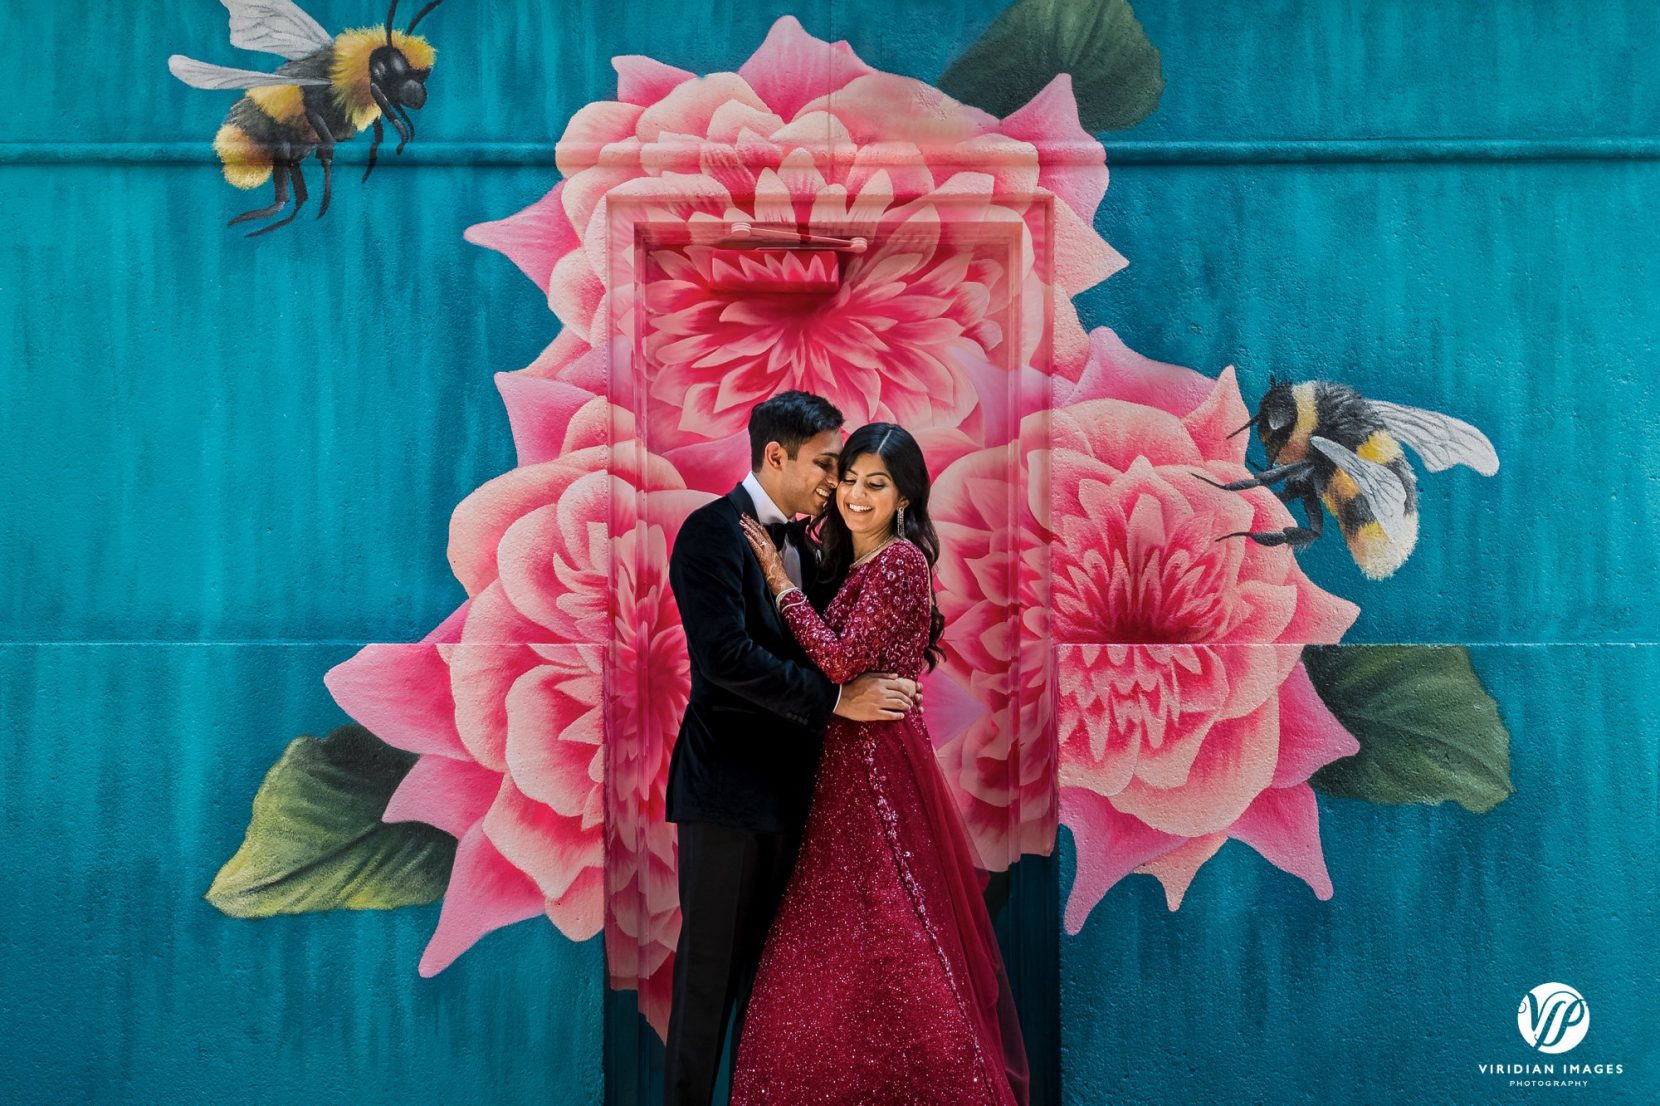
(894,597)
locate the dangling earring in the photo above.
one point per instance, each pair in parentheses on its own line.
(899,523)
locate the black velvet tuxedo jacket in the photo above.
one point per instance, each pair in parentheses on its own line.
(749,744)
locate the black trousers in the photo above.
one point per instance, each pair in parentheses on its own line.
(731,882)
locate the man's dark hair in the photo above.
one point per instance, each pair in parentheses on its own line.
(789,418)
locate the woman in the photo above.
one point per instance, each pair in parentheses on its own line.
(880,982)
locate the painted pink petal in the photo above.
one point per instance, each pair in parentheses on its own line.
(450,629)
(1322,618)
(865,106)
(1311,737)
(547,846)
(1069,346)
(1176,868)
(1074,164)
(599,131)
(951,709)
(440,791)
(709,466)
(482,674)
(1218,415)
(793,67)
(540,413)
(1255,670)
(1082,258)
(598,422)
(1114,371)
(643,81)
(689,107)
(1235,763)
(555,729)
(533,239)
(537,572)
(1120,434)
(944,446)
(557,357)
(1283,824)
(575,292)
(401,693)
(479,522)
(580,912)
(1262,613)
(486,892)
(882,170)
(1109,845)
(494,622)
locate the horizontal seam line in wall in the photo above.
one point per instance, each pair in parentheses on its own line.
(1059,644)
(1261,152)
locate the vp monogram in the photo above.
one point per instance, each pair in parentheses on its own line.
(1553,1017)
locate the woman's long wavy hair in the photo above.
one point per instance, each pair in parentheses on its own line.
(903,459)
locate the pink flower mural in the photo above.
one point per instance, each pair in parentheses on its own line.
(1185,714)
(993,591)
(515,701)
(1109,664)
(968,218)
(1182,713)
(918,325)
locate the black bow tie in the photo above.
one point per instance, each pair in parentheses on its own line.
(793,533)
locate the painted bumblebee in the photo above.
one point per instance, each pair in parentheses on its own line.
(1328,444)
(329,89)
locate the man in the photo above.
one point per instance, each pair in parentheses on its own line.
(744,763)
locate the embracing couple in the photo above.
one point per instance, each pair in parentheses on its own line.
(829,897)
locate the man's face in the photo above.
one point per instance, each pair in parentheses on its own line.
(808,479)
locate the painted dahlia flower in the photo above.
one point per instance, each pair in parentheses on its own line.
(510,702)
(806,135)
(1185,715)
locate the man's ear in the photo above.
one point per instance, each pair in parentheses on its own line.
(773,456)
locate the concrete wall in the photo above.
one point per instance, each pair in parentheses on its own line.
(229,465)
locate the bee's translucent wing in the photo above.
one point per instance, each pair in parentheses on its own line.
(276,27)
(1441,440)
(201,74)
(1382,489)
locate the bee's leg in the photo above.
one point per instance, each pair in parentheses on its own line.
(1294,536)
(409,123)
(325,154)
(299,200)
(1262,479)
(279,175)
(374,148)
(391,115)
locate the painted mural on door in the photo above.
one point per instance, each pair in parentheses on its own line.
(1133,647)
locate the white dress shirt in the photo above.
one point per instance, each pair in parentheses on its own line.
(767,511)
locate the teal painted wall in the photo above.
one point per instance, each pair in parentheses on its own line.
(225,466)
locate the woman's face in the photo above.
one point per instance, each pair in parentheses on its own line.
(867,497)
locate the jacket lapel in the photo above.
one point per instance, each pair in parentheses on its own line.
(746,506)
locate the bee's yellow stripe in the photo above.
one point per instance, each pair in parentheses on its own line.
(282,102)
(247,163)
(1306,416)
(1381,447)
(1339,490)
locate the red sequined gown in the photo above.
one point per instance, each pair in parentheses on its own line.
(880,983)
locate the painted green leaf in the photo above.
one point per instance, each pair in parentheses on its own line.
(1427,728)
(316,841)
(1115,70)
